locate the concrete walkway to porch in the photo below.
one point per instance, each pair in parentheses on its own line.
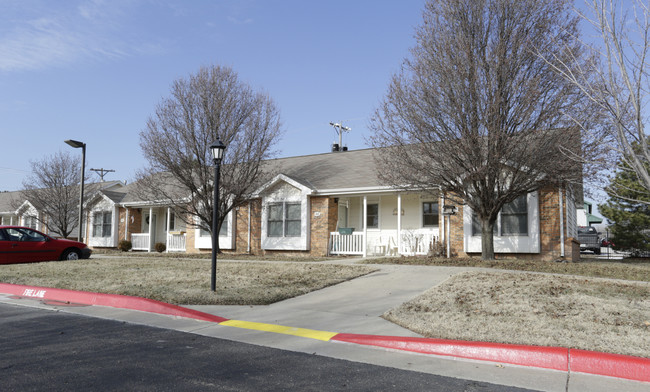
(355,306)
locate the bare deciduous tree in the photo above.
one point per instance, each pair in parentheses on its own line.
(475,110)
(209,104)
(618,79)
(53,189)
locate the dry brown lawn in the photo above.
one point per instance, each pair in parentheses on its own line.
(628,269)
(184,281)
(532,308)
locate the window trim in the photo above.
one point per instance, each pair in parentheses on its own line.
(368,204)
(105,228)
(284,221)
(498,224)
(437,215)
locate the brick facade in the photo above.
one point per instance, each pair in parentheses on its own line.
(134,222)
(324,214)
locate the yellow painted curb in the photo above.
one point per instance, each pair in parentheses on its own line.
(302,332)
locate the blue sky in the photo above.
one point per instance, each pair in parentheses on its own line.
(94,70)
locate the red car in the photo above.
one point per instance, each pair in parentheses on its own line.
(25,245)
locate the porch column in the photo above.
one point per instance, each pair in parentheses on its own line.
(126,226)
(399,223)
(150,227)
(167,236)
(365,226)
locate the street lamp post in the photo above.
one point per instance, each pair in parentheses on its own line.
(82,145)
(216,149)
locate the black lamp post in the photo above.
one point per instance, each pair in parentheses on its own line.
(82,145)
(216,149)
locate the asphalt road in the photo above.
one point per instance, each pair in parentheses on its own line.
(46,350)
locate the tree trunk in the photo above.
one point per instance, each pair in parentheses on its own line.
(487,239)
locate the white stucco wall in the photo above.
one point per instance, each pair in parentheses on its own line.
(101,206)
(284,192)
(507,244)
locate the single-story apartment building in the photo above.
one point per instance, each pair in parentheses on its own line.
(335,204)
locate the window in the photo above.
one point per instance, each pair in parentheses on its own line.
(19,234)
(223,232)
(512,220)
(372,216)
(514,217)
(429,214)
(29,221)
(284,220)
(102,224)
(172,220)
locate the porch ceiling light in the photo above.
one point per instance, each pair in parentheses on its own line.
(216,149)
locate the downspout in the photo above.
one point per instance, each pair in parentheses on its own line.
(447,226)
(561,225)
(248,249)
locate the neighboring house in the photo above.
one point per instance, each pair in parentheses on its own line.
(586,217)
(28,214)
(8,213)
(334,204)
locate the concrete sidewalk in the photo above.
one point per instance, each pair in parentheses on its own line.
(354,306)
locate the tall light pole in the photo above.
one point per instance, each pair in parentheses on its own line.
(82,145)
(216,149)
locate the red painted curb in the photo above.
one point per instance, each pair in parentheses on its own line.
(555,358)
(613,365)
(112,300)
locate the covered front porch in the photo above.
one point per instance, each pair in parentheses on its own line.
(153,224)
(386,225)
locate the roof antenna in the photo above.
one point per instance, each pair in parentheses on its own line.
(340,129)
(102,172)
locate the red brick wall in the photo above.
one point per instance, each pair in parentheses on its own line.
(324,213)
(241,227)
(134,227)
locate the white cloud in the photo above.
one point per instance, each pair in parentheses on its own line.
(93,31)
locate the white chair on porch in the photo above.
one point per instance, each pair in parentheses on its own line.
(381,246)
(392,247)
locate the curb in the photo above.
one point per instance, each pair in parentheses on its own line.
(553,358)
(111,300)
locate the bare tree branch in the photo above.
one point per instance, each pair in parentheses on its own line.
(475,110)
(53,189)
(617,79)
(209,104)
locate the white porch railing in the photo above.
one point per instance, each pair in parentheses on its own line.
(383,243)
(176,242)
(140,241)
(346,244)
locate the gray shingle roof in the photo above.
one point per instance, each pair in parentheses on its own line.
(336,170)
(7,201)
